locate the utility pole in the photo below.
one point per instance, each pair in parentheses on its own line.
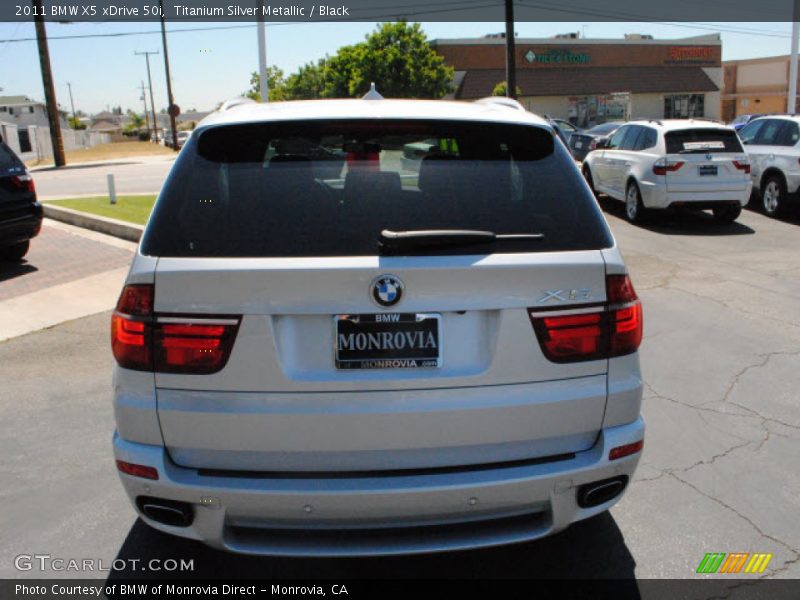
(150,81)
(146,117)
(171,107)
(511,52)
(72,105)
(262,54)
(49,88)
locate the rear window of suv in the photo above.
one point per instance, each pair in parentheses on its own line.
(705,140)
(328,188)
(8,160)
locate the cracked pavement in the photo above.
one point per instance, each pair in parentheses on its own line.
(721,361)
(719,473)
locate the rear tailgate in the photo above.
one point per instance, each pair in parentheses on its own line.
(711,160)
(286,248)
(281,403)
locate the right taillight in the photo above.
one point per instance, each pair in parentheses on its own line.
(144,341)
(663,166)
(616,330)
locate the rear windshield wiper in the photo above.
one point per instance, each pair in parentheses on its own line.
(416,238)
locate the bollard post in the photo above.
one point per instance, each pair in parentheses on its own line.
(112,193)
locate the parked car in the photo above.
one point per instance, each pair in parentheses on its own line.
(558,131)
(565,127)
(182,137)
(683,163)
(773,146)
(743,120)
(20,213)
(583,142)
(373,364)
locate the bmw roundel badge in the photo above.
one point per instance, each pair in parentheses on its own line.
(386,290)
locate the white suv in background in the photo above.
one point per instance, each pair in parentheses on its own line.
(773,145)
(681,163)
(323,352)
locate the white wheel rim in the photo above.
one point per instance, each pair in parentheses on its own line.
(771,197)
(632,203)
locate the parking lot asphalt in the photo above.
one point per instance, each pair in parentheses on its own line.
(721,358)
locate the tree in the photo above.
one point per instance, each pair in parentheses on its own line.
(398,58)
(309,82)
(500,89)
(76,123)
(275,81)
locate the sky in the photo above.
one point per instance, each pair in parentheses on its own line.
(211,66)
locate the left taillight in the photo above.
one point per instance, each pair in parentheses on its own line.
(131,328)
(614,330)
(144,341)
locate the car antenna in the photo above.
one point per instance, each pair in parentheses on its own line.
(372,94)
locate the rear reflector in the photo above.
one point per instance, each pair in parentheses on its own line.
(137,470)
(614,330)
(626,450)
(144,341)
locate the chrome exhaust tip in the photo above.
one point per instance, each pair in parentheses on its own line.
(600,492)
(166,512)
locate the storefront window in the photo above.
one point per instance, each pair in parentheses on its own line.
(587,111)
(684,106)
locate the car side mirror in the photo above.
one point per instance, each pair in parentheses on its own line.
(602,144)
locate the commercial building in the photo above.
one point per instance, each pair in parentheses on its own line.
(590,81)
(755,86)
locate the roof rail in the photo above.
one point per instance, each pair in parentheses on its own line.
(501,101)
(234,102)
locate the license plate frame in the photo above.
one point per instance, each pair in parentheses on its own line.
(407,326)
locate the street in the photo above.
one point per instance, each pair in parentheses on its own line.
(139,175)
(719,471)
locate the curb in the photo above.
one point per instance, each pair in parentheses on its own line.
(113,227)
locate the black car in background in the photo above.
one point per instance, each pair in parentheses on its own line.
(583,142)
(20,213)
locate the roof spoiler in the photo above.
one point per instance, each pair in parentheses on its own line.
(501,101)
(234,102)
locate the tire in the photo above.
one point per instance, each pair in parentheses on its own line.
(727,214)
(635,212)
(587,175)
(773,195)
(15,252)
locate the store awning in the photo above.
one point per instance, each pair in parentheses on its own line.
(479,83)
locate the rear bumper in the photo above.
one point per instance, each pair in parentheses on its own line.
(656,195)
(21,228)
(344,515)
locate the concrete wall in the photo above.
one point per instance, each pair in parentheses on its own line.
(10,135)
(764,76)
(73,140)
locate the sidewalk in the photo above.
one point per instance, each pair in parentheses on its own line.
(70,273)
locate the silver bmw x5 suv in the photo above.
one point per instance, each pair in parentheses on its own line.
(326,346)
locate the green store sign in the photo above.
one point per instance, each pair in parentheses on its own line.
(557,56)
